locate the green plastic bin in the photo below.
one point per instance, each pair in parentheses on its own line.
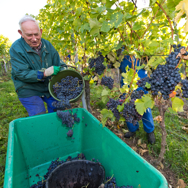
(35,141)
(63,74)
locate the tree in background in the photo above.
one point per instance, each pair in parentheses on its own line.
(5,45)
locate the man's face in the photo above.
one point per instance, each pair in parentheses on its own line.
(31,33)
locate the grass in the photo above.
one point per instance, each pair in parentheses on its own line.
(10,108)
(176,151)
(176,154)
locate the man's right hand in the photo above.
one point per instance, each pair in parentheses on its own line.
(53,70)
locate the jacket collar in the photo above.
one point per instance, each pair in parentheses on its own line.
(30,49)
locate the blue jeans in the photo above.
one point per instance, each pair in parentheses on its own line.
(35,105)
(147,120)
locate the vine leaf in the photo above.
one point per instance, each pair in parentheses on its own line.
(109,3)
(120,107)
(105,92)
(105,27)
(116,19)
(105,115)
(94,25)
(177,104)
(144,103)
(148,85)
(172,111)
(137,26)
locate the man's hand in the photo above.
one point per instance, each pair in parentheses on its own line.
(53,70)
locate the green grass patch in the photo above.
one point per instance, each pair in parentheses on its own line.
(10,108)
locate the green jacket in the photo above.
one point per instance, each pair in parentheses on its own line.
(27,65)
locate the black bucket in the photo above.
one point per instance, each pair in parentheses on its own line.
(77,174)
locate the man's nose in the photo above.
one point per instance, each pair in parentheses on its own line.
(34,38)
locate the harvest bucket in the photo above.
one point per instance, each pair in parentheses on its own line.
(63,74)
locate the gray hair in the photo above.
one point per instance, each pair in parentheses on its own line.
(27,18)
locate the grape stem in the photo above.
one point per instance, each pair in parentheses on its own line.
(109,179)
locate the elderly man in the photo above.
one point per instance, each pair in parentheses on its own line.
(33,61)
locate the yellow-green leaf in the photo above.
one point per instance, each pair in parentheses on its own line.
(177,104)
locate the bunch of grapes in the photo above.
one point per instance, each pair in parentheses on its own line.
(137,94)
(142,83)
(164,78)
(185,88)
(112,105)
(97,63)
(130,113)
(107,81)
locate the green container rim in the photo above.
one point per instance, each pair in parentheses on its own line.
(63,74)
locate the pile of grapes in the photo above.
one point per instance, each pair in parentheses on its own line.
(68,119)
(109,183)
(164,78)
(107,81)
(69,88)
(97,63)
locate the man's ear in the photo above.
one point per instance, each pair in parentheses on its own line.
(41,31)
(19,31)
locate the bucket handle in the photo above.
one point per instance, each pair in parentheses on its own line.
(68,66)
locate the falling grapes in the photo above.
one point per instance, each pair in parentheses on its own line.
(66,118)
(63,104)
(70,133)
(107,81)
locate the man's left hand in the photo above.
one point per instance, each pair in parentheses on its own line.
(53,70)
